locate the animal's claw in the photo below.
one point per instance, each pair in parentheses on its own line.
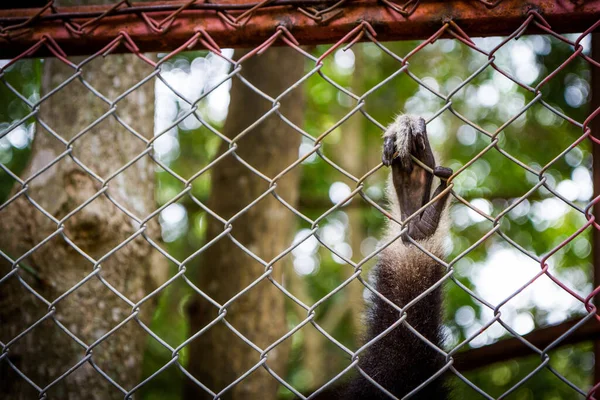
(443,172)
(389,150)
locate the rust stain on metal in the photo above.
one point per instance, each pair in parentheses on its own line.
(259,23)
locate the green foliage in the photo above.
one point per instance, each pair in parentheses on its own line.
(22,78)
(573,362)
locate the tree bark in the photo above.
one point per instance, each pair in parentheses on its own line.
(92,310)
(218,356)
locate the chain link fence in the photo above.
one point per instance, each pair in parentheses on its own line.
(235,18)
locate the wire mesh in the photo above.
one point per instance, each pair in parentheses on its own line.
(236,17)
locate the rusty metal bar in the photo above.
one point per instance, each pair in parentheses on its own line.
(509,349)
(479,20)
(93,11)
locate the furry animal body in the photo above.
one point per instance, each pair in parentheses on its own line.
(401,361)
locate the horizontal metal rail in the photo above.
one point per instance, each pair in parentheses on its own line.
(156,27)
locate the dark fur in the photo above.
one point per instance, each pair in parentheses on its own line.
(401,361)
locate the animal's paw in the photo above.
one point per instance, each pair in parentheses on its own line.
(405,137)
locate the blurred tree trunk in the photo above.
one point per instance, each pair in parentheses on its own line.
(92,310)
(218,356)
(350,154)
(314,360)
(353,159)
